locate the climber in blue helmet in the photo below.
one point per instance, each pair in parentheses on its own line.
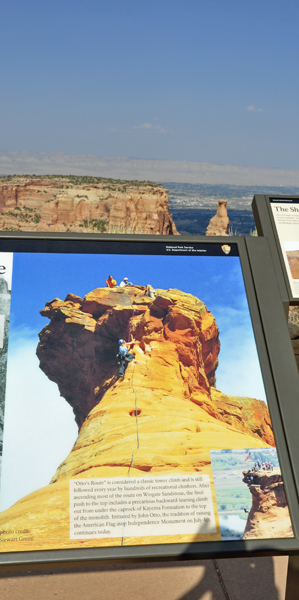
(124,356)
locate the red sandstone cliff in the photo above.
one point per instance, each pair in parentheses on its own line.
(84,204)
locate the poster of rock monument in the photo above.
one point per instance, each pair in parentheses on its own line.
(135,410)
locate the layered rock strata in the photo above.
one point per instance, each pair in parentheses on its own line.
(162,418)
(220,222)
(84,204)
(269,516)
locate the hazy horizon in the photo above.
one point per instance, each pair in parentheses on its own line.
(161,171)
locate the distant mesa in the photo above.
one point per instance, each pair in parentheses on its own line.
(84,204)
(220,222)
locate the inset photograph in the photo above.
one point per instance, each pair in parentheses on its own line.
(292,252)
(250,494)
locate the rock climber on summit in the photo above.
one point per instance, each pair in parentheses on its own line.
(110,282)
(125,282)
(124,356)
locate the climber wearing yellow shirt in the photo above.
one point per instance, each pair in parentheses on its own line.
(110,282)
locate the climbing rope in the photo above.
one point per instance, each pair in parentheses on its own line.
(136,411)
(137,430)
(125,511)
(132,461)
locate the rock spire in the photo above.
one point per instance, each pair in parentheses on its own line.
(219,223)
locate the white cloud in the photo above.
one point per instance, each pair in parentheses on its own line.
(39,429)
(144,126)
(239,372)
(151,126)
(252,108)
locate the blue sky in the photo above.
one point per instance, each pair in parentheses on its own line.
(167,79)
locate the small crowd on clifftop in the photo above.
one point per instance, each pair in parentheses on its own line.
(252,475)
(111,283)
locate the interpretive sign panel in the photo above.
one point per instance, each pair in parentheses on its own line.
(278,219)
(141,418)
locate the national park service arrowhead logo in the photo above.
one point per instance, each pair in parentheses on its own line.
(226,249)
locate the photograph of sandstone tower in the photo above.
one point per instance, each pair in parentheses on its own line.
(193,385)
(293,260)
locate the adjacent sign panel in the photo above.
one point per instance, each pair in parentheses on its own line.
(278,219)
(286,217)
(137,410)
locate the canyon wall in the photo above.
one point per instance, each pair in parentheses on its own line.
(161,418)
(84,204)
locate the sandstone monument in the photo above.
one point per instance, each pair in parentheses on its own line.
(219,223)
(162,418)
(269,516)
(84,205)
